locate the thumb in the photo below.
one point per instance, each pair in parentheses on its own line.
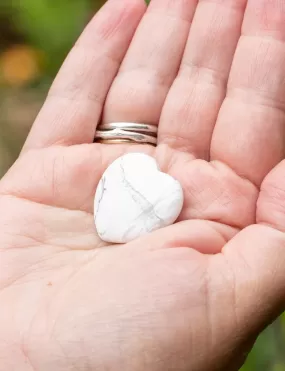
(257,256)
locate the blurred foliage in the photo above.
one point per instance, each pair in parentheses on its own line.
(269,351)
(50,26)
(35,36)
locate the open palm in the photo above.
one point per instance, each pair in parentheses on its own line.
(192,296)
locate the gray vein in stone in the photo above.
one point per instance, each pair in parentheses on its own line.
(140,197)
(148,210)
(103,190)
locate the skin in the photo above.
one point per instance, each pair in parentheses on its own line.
(192,296)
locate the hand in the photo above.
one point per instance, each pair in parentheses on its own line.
(193,296)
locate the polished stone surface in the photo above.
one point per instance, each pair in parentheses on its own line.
(134,198)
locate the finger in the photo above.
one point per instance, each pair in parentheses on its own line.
(195,98)
(200,235)
(74,104)
(271,202)
(256,256)
(151,64)
(255,262)
(249,136)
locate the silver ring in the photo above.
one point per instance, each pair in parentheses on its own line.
(131,126)
(119,132)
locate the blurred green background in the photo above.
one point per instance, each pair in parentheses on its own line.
(35,36)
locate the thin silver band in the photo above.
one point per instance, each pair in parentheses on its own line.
(126,132)
(131,126)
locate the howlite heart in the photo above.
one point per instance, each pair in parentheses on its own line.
(134,198)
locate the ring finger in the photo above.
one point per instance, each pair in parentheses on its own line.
(151,64)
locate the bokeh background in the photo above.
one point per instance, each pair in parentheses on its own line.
(35,36)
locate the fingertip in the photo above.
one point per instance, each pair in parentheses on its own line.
(115,15)
(130,5)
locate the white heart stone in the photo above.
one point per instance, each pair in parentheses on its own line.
(134,198)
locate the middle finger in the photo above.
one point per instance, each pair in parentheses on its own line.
(193,103)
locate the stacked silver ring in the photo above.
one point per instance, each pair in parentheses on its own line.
(126,132)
